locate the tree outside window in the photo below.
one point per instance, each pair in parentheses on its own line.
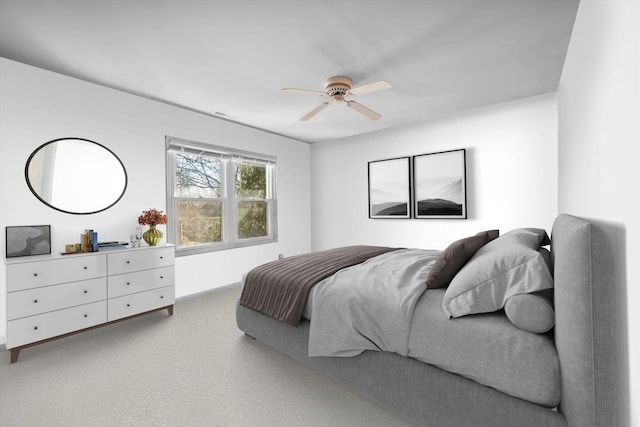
(199,187)
(251,194)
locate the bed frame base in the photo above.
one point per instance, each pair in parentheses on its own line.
(424,394)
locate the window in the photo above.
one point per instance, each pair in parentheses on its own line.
(218,198)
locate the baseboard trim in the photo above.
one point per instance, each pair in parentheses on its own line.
(208,291)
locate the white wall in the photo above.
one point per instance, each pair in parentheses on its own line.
(511,176)
(37,106)
(599,158)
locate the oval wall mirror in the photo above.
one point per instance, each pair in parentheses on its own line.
(76,176)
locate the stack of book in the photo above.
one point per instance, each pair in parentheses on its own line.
(89,241)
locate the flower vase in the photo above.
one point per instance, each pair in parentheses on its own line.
(152,236)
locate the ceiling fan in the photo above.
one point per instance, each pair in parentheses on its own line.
(337,88)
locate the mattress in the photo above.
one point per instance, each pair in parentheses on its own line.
(486,348)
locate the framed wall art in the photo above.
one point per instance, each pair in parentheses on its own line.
(28,240)
(440,188)
(390,188)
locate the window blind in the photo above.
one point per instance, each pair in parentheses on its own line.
(179,145)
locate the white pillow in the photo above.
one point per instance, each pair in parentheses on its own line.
(506,266)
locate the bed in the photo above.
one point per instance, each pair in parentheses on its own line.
(447,357)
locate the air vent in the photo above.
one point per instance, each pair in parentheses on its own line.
(225,115)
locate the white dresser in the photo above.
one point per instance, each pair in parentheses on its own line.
(49,297)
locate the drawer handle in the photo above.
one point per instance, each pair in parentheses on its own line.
(35,301)
(35,274)
(84,268)
(162,277)
(86,292)
(86,315)
(128,305)
(128,262)
(35,328)
(161,257)
(161,296)
(128,283)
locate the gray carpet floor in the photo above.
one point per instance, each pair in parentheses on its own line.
(195,368)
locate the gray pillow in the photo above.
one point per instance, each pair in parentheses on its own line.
(455,257)
(506,266)
(531,312)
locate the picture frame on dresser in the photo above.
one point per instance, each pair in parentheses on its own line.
(440,185)
(27,240)
(390,188)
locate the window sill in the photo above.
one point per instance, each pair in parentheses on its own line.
(200,249)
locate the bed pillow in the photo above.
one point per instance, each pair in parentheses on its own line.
(506,266)
(531,312)
(455,257)
(546,255)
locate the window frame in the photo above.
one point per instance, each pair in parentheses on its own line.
(229,157)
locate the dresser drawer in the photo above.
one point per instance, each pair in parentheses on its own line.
(43,326)
(56,297)
(140,259)
(129,283)
(28,275)
(132,304)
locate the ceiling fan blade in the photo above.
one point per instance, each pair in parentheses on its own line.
(371,87)
(363,110)
(304,91)
(315,111)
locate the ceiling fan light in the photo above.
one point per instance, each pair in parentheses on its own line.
(339,87)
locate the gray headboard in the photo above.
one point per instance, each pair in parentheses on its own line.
(585,327)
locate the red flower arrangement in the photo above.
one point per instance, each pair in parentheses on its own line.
(152,217)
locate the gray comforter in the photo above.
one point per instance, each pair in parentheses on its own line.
(369,306)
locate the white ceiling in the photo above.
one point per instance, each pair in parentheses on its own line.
(234,57)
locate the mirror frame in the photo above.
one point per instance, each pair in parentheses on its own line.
(26,175)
